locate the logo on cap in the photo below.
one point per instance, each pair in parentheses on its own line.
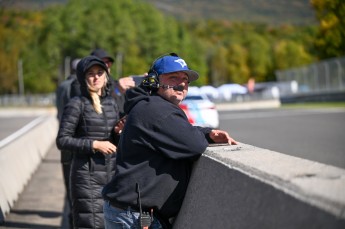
(181,62)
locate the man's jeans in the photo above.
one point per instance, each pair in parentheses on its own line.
(116,218)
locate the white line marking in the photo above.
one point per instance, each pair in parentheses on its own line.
(283,113)
(21,131)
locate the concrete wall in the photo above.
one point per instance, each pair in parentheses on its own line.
(20,158)
(247,187)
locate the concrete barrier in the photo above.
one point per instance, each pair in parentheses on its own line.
(20,157)
(248,105)
(247,187)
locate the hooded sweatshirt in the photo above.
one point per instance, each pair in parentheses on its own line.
(156,151)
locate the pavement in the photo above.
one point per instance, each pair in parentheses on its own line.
(30,211)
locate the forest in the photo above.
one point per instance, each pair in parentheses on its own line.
(39,42)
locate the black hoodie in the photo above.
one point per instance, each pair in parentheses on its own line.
(156,150)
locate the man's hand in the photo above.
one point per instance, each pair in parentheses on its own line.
(119,125)
(125,83)
(220,136)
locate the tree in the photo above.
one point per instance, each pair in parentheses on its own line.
(330,40)
(17,30)
(218,64)
(221,51)
(290,54)
(238,71)
(259,56)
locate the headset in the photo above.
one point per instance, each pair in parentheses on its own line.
(151,81)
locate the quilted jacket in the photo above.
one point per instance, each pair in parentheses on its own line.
(90,171)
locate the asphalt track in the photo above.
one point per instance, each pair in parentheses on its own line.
(10,124)
(314,134)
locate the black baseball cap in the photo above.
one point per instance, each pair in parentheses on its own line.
(100,53)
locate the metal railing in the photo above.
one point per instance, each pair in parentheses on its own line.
(41,100)
(324,76)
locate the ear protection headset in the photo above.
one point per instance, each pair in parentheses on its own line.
(151,81)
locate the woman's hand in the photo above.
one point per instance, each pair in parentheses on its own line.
(220,136)
(105,147)
(119,125)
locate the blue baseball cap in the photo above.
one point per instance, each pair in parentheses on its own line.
(173,63)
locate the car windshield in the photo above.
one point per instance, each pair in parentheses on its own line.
(193,97)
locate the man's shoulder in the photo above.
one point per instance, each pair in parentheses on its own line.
(155,105)
(67,82)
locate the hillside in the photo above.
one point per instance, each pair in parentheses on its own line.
(273,12)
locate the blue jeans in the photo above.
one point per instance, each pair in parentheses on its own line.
(116,218)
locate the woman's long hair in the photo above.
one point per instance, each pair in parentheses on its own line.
(96,102)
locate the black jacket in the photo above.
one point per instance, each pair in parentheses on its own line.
(156,150)
(63,94)
(90,171)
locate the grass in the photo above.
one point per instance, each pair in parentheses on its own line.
(314,105)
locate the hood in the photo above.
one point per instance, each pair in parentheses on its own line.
(82,67)
(133,96)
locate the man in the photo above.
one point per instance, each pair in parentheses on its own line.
(121,85)
(156,150)
(65,91)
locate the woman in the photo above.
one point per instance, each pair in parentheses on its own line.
(87,130)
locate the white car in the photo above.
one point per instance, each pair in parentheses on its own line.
(200,110)
(226,91)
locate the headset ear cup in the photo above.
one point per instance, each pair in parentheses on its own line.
(151,81)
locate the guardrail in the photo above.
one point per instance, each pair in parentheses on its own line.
(38,100)
(326,76)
